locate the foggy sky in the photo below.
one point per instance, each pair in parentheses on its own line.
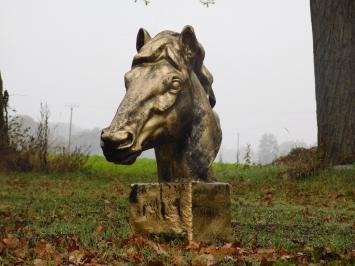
(76,52)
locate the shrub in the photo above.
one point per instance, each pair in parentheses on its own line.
(300,163)
(68,161)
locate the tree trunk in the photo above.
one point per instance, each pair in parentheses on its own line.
(3,131)
(333,23)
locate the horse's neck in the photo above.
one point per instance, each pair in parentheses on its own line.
(191,158)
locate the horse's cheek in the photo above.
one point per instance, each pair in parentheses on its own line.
(165,101)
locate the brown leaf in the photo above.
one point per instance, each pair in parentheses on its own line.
(23,244)
(11,242)
(2,246)
(178,260)
(73,243)
(266,251)
(77,257)
(156,247)
(131,256)
(340,196)
(165,246)
(94,262)
(137,240)
(193,245)
(39,262)
(229,248)
(57,257)
(209,250)
(265,262)
(204,259)
(43,249)
(286,257)
(99,229)
(20,254)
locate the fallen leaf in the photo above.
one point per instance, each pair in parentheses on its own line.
(178,260)
(265,262)
(204,259)
(165,246)
(131,256)
(209,250)
(2,246)
(266,250)
(156,247)
(193,245)
(340,196)
(77,257)
(39,262)
(43,249)
(286,257)
(11,242)
(99,229)
(73,243)
(95,262)
(229,248)
(20,254)
(57,257)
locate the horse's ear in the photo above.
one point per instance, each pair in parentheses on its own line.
(192,50)
(142,38)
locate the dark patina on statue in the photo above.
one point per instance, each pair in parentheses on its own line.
(167,106)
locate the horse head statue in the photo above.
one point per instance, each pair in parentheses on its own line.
(167,106)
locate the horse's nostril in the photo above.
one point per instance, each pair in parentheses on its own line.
(118,140)
(129,139)
(123,138)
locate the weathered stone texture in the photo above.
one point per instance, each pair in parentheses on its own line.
(196,211)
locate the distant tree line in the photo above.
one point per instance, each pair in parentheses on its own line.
(267,151)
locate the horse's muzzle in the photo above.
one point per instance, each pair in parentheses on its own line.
(117,146)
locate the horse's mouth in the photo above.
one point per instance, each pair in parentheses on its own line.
(125,156)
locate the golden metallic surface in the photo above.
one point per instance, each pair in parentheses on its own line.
(167,106)
(197,211)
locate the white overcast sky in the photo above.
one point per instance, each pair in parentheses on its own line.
(77,51)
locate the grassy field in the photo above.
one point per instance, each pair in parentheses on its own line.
(81,218)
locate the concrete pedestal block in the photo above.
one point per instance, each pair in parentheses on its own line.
(196,211)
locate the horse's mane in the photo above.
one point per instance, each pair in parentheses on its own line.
(166,46)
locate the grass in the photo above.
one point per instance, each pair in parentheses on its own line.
(314,216)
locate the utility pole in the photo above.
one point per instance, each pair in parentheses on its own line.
(71,106)
(237,148)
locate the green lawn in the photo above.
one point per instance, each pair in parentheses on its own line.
(82,217)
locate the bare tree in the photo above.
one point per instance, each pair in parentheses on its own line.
(4,100)
(42,136)
(248,154)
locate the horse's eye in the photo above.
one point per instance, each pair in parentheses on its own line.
(175,84)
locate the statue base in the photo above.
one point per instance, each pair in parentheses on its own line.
(195,211)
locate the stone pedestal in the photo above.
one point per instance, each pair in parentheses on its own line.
(196,211)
